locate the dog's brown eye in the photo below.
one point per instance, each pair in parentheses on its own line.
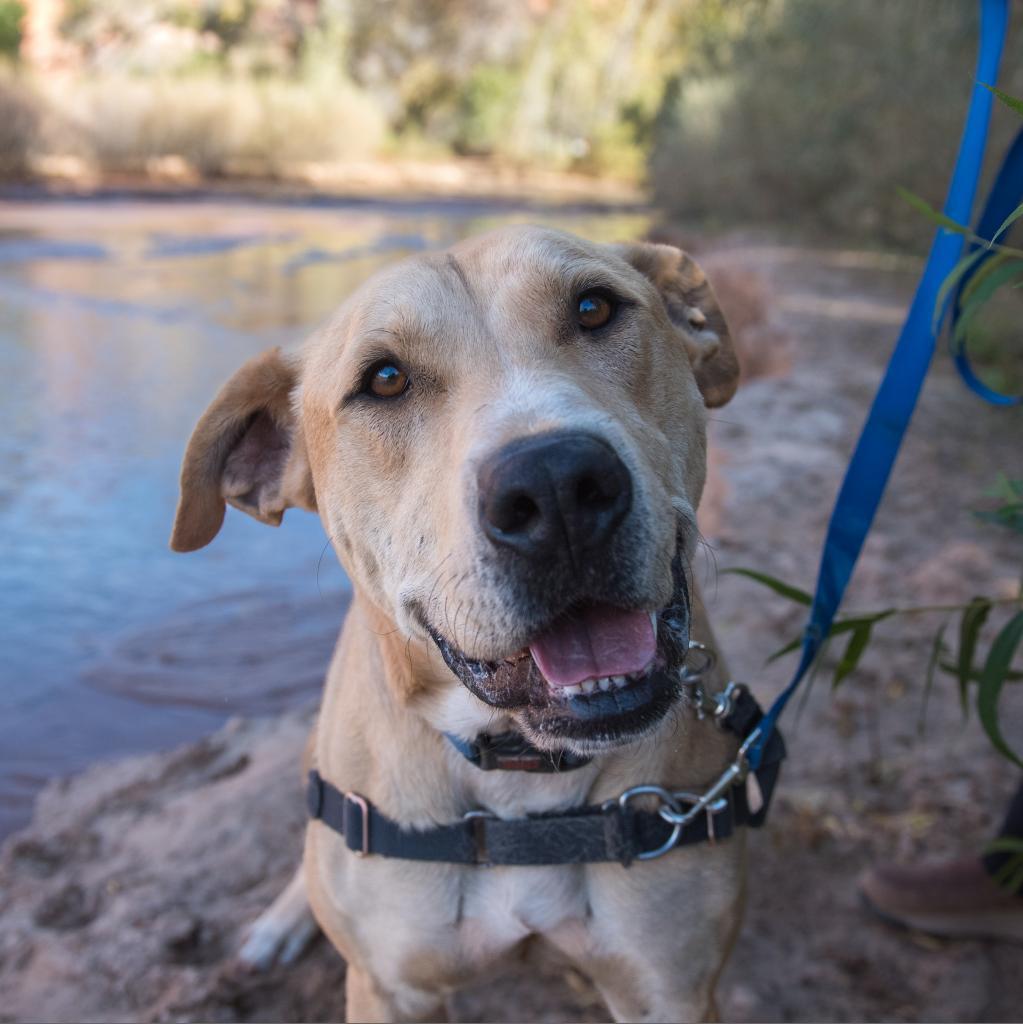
(387,380)
(595,310)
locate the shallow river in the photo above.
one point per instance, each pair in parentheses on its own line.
(118,321)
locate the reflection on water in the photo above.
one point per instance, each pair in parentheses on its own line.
(118,321)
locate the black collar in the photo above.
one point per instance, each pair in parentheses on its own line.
(612,831)
(512,752)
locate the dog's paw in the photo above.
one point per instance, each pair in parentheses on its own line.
(272,940)
(282,932)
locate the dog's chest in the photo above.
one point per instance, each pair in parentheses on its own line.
(502,906)
(430,925)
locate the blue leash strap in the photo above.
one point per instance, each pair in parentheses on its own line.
(1004,197)
(889,416)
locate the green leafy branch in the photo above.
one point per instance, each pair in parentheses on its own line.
(988,675)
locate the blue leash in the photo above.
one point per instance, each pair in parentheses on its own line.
(879,443)
(1004,197)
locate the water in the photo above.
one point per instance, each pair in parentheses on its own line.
(118,321)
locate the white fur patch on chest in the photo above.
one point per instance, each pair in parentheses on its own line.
(502,906)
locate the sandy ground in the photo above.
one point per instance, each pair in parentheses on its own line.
(126,897)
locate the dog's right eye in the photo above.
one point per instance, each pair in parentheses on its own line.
(595,308)
(386,379)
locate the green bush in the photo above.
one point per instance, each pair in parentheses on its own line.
(816,112)
(485,105)
(12,12)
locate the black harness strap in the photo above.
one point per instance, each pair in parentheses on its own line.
(589,834)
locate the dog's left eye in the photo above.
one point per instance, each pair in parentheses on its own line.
(595,309)
(386,380)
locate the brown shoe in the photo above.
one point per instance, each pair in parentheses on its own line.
(953,898)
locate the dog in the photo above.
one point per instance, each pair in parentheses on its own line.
(506,444)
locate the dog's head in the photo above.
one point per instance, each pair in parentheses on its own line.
(506,445)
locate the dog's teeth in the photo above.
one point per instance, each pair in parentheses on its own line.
(605,683)
(589,685)
(619,681)
(653,621)
(572,691)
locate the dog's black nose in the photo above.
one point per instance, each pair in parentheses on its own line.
(553,492)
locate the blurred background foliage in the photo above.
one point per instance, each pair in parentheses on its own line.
(799,111)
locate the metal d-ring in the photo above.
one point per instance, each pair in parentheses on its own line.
(668,799)
(706,659)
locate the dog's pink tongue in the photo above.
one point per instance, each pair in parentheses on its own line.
(594,642)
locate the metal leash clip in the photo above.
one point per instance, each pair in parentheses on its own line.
(720,705)
(673,812)
(679,809)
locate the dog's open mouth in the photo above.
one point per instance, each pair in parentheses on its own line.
(595,647)
(597,675)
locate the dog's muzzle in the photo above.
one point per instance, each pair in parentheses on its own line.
(597,675)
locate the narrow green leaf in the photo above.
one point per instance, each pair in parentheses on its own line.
(1014,216)
(1008,271)
(937,647)
(1010,101)
(974,616)
(999,268)
(844,625)
(1010,875)
(953,670)
(837,629)
(950,282)
(1010,512)
(1010,516)
(1005,487)
(946,222)
(853,652)
(977,279)
(939,218)
(1004,844)
(992,679)
(792,645)
(778,586)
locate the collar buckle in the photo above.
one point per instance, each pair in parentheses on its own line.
(356,820)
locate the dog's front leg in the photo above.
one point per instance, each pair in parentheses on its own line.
(366,1002)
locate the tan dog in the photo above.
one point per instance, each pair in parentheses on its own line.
(506,445)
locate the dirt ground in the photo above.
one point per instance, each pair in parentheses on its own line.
(126,897)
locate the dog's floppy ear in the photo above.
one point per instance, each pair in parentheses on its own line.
(247,449)
(695,313)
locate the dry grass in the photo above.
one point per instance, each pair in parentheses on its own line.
(215,125)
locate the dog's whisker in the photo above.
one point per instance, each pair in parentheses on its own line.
(319,563)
